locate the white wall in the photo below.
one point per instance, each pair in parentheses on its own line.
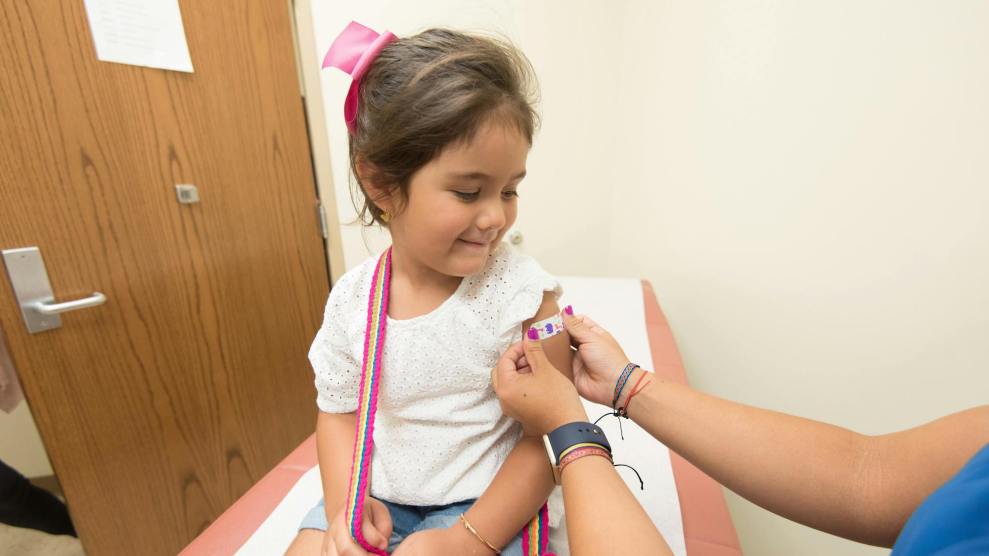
(805,183)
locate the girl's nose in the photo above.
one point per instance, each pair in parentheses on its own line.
(492,216)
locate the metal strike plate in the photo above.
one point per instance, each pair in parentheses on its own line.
(29,280)
(187,194)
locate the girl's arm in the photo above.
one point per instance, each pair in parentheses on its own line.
(525,480)
(334,444)
(334,449)
(517,491)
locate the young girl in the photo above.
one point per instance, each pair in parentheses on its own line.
(440,128)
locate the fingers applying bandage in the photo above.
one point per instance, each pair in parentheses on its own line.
(538,395)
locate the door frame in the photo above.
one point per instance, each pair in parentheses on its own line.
(319,137)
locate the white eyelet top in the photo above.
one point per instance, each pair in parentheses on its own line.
(440,435)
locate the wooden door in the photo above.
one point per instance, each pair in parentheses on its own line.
(160,407)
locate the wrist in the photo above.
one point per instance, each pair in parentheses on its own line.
(636,375)
(570,414)
(621,383)
(467,542)
(635,407)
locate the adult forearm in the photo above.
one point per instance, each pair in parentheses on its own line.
(810,472)
(603,517)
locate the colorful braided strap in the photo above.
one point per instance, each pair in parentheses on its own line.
(534,541)
(374,341)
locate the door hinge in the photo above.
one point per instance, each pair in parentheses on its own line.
(321,217)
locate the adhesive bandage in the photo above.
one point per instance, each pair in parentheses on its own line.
(549,327)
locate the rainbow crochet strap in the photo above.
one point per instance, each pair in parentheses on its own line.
(374,341)
(535,538)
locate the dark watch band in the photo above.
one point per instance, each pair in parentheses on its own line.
(572,434)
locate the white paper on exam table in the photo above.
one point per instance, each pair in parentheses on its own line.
(616,304)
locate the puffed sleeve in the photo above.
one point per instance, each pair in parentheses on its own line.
(332,352)
(525,282)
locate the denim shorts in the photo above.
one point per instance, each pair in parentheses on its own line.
(409,519)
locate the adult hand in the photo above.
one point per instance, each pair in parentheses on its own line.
(375,524)
(533,391)
(599,360)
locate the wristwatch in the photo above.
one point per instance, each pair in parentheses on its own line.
(570,436)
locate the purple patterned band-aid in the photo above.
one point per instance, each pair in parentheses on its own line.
(549,327)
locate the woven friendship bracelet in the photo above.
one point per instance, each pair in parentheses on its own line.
(620,383)
(583,452)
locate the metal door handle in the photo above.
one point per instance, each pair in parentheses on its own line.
(29,280)
(49,308)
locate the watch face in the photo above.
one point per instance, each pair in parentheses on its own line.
(552,459)
(549,449)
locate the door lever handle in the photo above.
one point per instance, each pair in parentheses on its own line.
(48,308)
(29,280)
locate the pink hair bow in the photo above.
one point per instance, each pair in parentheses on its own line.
(353,51)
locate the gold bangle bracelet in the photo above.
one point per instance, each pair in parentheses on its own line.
(474,532)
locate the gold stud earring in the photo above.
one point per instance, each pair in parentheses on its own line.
(385,217)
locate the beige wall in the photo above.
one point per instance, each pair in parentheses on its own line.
(806,184)
(20,443)
(569,127)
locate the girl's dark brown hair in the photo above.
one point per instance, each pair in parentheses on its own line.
(427,92)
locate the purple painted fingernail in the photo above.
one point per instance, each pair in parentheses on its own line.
(568,310)
(533,334)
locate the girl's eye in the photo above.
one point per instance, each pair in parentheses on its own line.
(466,195)
(510,194)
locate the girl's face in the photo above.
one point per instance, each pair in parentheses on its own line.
(462,202)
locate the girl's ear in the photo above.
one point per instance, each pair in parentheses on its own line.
(376,192)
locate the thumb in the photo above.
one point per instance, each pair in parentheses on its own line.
(583,329)
(534,353)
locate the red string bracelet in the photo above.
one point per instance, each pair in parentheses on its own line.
(624,410)
(621,410)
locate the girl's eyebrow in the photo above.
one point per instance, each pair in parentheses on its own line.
(481,176)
